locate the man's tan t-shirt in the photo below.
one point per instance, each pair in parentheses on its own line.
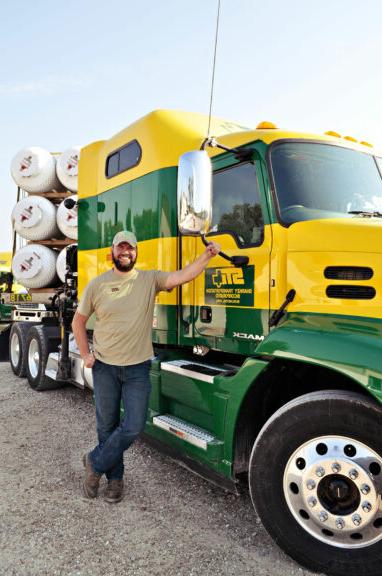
(124,309)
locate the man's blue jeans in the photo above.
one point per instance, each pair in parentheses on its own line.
(131,384)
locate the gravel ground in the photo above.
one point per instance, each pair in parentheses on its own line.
(170,522)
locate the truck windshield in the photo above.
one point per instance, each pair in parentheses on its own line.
(314,181)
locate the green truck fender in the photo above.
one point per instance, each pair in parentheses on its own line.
(351,346)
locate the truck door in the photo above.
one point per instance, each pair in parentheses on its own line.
(227,308)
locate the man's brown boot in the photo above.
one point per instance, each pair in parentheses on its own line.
(114,491)
(91,482)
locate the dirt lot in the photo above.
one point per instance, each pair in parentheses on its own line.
(171,522)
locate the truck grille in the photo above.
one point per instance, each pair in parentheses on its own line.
(348,273)
(350,292)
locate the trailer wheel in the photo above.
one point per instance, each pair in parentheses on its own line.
(40,342)
(17,348)
(316,482)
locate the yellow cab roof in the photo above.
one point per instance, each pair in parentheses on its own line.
(165,134)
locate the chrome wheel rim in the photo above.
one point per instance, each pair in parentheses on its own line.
(33,358)
(15,350)
(332,486)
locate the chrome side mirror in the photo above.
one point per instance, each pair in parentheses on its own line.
(194,193)
(195,199)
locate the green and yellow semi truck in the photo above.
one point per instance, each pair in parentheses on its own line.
(268,367)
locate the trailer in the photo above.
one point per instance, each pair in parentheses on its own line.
(268,367)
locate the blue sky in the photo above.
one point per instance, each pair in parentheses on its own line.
(77,71)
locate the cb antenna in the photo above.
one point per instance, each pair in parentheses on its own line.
(235,260)
(245,154)
(213,70)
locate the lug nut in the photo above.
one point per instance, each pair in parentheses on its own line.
(356,519)
(366,506)
(340,523)
(323,516)
(320,471)
(353,474)
(365,489)
(310,484)
(336,467)
(312,502)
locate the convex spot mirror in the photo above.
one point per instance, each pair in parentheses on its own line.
(194,193)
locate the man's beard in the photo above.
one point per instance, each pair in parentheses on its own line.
(123,267)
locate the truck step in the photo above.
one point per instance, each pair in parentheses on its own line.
(187,432)
(197,370)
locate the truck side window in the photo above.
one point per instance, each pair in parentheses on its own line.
(123,159)
(236,205)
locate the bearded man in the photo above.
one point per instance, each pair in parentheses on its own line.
(123,302)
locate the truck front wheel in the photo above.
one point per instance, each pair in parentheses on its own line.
(40,342)
(316,482)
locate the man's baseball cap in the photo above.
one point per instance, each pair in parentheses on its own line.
(125,236)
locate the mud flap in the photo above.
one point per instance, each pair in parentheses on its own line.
(4,342)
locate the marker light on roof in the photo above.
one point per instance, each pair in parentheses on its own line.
(332,133)
(366,144)
(266,126)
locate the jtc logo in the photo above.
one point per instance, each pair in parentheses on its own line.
(227,276)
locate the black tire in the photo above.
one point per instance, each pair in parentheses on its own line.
(17,348)
(290,471)
(41,341)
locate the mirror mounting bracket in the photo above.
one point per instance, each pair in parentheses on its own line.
(243,154)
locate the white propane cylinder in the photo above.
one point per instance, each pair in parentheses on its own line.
(67,219)
(34,266)
(67,168)
(61,263)
(35,218)
(34,170)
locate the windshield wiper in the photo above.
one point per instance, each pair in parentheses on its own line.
(366,214)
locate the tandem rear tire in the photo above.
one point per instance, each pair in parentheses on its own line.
(18,349)
(41,341)
(316,482)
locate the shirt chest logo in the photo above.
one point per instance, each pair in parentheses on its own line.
(114,290)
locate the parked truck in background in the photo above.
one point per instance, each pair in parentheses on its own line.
(8,286)
(267,367)
(13,293)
